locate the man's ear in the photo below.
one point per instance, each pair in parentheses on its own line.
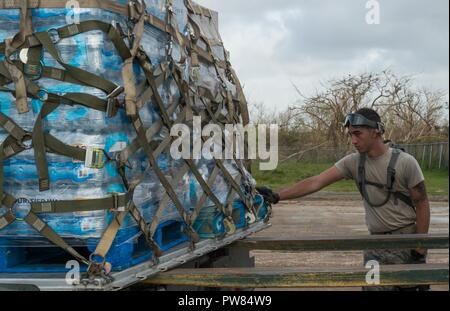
(375,132)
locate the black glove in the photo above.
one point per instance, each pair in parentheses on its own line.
(269,195)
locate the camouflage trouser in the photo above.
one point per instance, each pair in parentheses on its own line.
(395,257)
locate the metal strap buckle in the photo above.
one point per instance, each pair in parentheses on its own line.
(54,35)
(96,267)
(25,138)
(26,210)
(95,158)
(34,72)
(112,102)
(116,204)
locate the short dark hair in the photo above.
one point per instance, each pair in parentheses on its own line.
(369,114)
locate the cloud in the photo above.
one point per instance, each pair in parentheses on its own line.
(308,41)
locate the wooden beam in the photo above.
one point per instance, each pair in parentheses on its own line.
(302,277)
(309,244)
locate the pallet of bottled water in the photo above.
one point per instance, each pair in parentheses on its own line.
(192,46)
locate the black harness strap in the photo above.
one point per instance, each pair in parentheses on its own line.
(389,186)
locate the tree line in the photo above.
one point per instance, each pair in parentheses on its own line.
(411,113)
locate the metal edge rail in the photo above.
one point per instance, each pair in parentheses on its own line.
(272,277)
(312,244)
(137,273)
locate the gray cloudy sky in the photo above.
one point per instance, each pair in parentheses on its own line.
(274,42)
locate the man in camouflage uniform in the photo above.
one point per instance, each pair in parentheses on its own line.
(391,183)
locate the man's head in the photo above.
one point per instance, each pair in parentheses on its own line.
(365,129)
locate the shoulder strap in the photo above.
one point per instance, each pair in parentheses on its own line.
(361,172)
(391,172)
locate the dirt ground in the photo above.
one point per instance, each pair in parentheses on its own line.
(325,216)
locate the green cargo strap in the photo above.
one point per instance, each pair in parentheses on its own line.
(11,127)
(110,30)
(115,202)
(41,227)
(389,186)
(31,88)
(33,67)
(52,4)
(20,87)
(8,218)
(64,76)
(77,73)
(39,146)
(12,147)
(39,138)
(56,146)
(11,46)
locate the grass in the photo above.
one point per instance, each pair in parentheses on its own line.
(289,173)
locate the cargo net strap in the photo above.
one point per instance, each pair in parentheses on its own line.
(130,97)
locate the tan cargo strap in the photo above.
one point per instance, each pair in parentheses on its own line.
(137,123)
(127,70)
(201,202)
(136,214)
(11,46)
(134,146)
(219,163)
(197,9)
(113,228)
(166,200)
(229,178)
(8,218)
(168,123)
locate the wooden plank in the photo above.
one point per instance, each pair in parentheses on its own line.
(396,275)
(435,241)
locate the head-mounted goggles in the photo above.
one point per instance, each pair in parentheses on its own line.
(354,119)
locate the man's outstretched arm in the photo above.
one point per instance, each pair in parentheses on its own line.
(312,184)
